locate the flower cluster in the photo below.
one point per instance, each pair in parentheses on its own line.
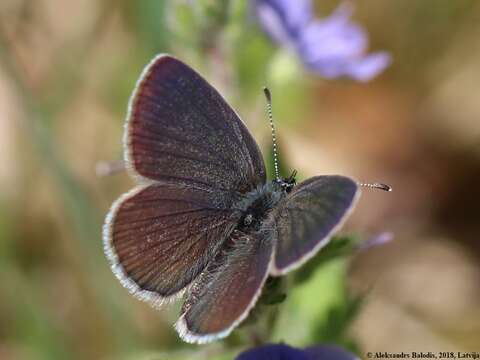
(332,47)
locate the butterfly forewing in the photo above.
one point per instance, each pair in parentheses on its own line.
(308,216)
(223,295)
(180,128)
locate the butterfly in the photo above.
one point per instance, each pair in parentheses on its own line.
(203,221)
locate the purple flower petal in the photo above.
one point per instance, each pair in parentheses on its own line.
(283,20)
(334,38)
(376,240)
(370,66)
(360,68)
(333,46)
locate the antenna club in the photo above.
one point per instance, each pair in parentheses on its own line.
(267,93)
(379,186)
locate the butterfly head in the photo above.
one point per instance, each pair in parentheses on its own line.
(287,184)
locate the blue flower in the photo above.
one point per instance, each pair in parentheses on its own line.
(285,352)
(332,47)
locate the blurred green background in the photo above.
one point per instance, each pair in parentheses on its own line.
(66,72)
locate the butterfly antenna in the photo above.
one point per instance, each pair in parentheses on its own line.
(268,95)
(379,186)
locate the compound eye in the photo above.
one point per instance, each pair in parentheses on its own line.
(248,220)
(288,186)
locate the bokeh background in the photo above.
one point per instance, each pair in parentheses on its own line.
(66,72)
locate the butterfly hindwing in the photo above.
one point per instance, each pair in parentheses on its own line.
(223,295)
(307,217)
(160,237)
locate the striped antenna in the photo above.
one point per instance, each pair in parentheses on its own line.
(268,95)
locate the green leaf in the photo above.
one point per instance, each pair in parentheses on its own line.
(338,321)
(274,291)
(309,303)
(338,247)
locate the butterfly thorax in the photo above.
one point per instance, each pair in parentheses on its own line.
(257,204)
